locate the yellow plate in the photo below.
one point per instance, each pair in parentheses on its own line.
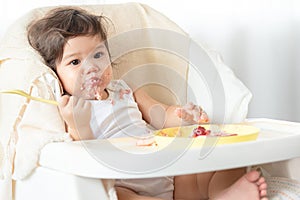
(243,133)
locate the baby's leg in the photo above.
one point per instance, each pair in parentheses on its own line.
(126,194)
(224,179)
(204,185)
(221,185)
(192,187)
(249,187)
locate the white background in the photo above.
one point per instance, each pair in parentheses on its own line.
(258,39)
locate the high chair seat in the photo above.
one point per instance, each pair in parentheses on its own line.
(40,161)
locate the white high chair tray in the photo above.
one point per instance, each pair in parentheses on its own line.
(277,141)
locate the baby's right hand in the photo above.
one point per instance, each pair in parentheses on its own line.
(75,111)
(192,114)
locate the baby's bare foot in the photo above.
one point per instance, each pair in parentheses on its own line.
(249,187)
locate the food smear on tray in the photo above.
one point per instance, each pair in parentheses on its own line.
(201,131)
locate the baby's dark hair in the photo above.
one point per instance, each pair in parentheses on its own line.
(49,34)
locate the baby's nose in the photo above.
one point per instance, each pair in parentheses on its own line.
(90,68)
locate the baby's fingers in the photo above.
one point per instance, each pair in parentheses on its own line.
(189,106)
(183,114)
(86,104)
(202,117)
(64,100)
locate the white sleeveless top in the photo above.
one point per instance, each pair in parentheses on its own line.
(118,115)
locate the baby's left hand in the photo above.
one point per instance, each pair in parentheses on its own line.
(192,114)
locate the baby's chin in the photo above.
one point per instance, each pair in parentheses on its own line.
(87,94)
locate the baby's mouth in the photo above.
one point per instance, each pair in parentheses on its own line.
(93,82)
(90,87)
(90,83)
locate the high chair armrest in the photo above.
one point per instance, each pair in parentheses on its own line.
(72,157)
(277,141)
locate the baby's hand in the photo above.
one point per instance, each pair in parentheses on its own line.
(192,114)
(75,111)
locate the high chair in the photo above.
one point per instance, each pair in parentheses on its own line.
(40,161)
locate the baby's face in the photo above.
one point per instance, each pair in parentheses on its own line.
(85,69)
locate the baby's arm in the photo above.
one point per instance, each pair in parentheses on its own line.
(77,114)
(160,115)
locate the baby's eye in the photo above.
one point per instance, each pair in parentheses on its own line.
(75,62)
(98,55)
